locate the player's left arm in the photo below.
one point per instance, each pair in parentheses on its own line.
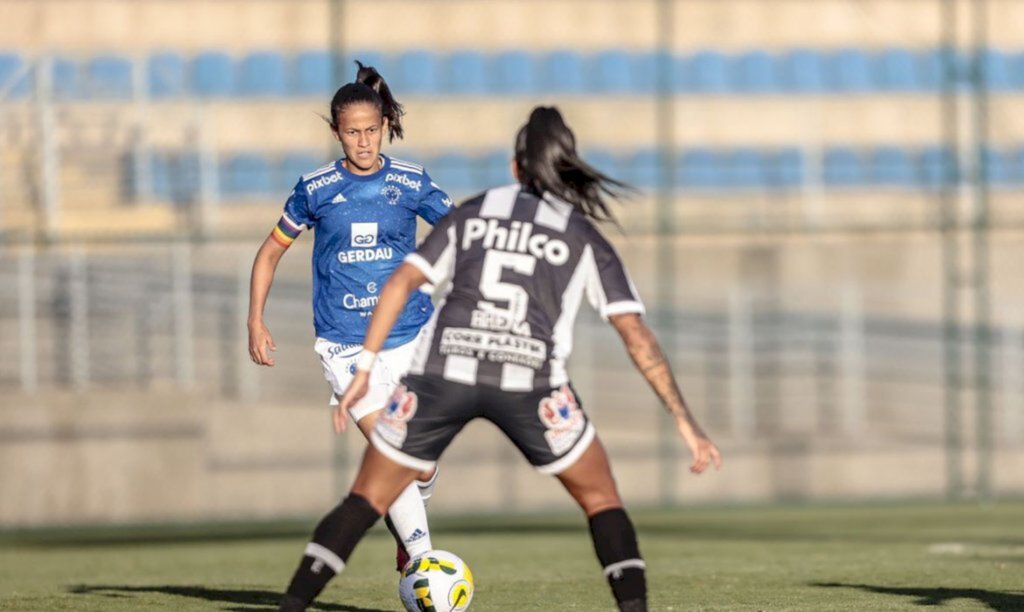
(434,204)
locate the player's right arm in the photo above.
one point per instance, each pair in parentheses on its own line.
(645,350)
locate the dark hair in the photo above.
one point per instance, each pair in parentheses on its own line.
(548,162)
(369,87)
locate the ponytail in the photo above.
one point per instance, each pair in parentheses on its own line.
(548,162)
(370,88)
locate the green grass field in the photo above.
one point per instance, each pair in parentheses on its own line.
(955,557)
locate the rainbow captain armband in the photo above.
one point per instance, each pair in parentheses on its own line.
(286,231)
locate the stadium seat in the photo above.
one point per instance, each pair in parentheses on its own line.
(744,169)
(842,167)
(110,77)
(801,71)
(513,72)
(260,74)
(847,71)
(932,70)
(604,161)
(417,73)
(938,167)
(754,72)
(644,71)
(610,72)
(455,172)
(174,176)
(212,75)
(166,74)
(66,78)
(563,72)
(896,70)
(11,64)
(291,168)
(708,73)
(312,74)
(1014,161)
(246,174)
(1016,69)
(786,169)
(890,166)
(995,69)
(682,74)
(699,169)
(643,168)
(998,168)
(496,169)
(465,73)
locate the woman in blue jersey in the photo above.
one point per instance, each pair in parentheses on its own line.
(363,208)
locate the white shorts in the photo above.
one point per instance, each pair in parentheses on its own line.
(339,363)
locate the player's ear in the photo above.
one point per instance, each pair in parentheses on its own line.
(514,167)
(384,124)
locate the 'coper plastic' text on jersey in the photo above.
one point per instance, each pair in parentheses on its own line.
(364,228)
(518,267)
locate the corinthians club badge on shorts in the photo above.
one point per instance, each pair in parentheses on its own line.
(563,418)
(392,423)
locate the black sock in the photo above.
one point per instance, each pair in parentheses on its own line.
(616,547)
(334,539)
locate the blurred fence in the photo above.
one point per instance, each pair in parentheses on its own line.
(827,236)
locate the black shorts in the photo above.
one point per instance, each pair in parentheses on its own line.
(426,412)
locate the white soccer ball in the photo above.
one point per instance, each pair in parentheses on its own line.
(437,581)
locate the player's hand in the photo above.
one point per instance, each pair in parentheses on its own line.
(260,344)
(355,392)
(702,448)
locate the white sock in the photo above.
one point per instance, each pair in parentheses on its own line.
(426,487)
(409,516)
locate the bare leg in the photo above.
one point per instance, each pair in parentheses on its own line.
(590,481)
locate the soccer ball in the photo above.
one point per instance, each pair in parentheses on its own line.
(437,581)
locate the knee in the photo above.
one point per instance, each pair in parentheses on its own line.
(599,501)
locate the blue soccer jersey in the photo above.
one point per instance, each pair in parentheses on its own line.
(364,227)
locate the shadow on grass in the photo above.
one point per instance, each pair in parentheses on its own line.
(995,600)
(249,597)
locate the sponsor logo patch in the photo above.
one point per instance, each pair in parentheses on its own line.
(401,179)
(364,235)
(338,199)
(315,184)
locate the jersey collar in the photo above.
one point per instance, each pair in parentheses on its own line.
(363,177)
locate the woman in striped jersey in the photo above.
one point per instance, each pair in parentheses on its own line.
(519,260)
(363,208)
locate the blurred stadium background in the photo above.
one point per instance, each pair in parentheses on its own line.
(832,202)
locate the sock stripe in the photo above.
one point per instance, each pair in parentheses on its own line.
(330,559)
(621,565)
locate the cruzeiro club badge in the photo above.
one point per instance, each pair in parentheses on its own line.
(392,423)
(391,194)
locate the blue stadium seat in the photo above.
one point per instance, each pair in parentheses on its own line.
(682,74)
(604,161)
(644,168)
(708,72)
(417,73)
(110,76)
(496,170)
(292,166)
(1014,160)
(754,72)
(166,74)
(67,79)
(786,168)
(998,167)
(513,72)
(801,71)
(262,73)
(891,166)
(11,64)
(455,172)
(699,169)
(247,174)
(896,70)
(563,72)
(644,71)
(465,73)
(610,72)
(312,74)
(745,169)
(932,70)
(937,166)
(175,176)
(847,71)
(1016,69)
(996,70)
(212,75)
(842,167)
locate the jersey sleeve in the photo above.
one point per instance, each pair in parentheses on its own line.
(435,257)
(296,218)
(434,203)
(610,290)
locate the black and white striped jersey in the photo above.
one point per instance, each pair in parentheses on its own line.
(517,267)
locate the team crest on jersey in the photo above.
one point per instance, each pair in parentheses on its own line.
(392,424)
(562,416)
(391,193)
